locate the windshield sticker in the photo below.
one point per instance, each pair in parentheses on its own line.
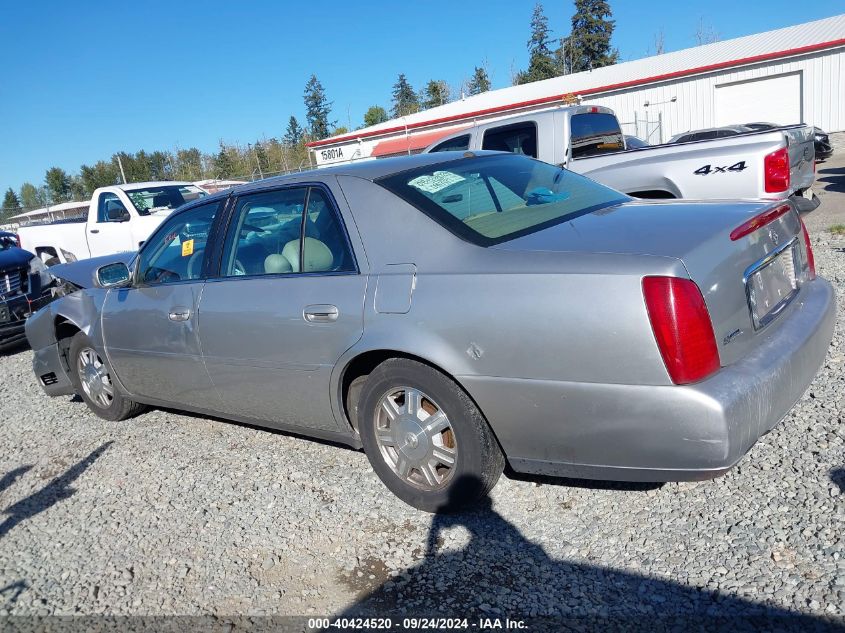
(437,181)
(187,248)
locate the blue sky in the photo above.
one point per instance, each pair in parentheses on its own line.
(82,80)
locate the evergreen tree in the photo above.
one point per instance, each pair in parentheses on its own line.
(317,108)
(101,174)
(30,196)
(435,93)
(541,61)
(58,185)
(224,166)
(10,200)
(293,134)
(479,83)
(588,46)
(77,188)
(375,115)
(405,100)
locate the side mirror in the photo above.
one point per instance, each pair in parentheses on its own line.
(117,214)
(112,275)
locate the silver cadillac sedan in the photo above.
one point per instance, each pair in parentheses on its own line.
(452,312)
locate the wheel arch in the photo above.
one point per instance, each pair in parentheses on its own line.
(358,367)
(64,330)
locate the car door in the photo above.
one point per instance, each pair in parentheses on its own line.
(151,328)
(272,329)
(107,236)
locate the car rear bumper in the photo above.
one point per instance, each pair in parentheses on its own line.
(660,433)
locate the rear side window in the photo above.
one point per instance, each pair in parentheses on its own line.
(594,133)
(266,235)
(495,198)
(519,138)
(457,144)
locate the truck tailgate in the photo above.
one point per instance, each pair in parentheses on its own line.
(800,141)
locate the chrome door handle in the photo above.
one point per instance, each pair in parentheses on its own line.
(179,314)
(320,313)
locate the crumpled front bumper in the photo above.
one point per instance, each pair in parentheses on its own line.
(49,368)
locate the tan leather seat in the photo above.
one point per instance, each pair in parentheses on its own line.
(318,257)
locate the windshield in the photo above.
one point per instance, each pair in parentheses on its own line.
(7,242)
(154,199)
(492,199)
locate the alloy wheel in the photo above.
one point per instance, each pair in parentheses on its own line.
(94,376)
(415,438)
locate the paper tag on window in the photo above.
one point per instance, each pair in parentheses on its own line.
(436,181)
(187,248)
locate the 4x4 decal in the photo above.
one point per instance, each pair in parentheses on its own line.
(707,169)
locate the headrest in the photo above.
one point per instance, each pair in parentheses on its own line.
(318,256)
(276,263)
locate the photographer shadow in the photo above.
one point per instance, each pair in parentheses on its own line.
(500,574)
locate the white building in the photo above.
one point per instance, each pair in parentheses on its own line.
(786,76)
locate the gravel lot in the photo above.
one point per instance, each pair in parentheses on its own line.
(178,514)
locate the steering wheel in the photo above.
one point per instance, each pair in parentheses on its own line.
(195,263)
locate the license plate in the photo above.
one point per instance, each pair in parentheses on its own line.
(4,313)
(772,285)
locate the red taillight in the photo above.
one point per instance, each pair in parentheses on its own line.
(682,328)
(776,171)
(759,220)
(811,260)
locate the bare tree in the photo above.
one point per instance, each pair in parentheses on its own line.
(659,42)
(705,33)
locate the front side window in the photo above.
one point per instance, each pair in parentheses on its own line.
(492,199)
(594,133)
(109,202)
(457,144)
(165,197)
(519,138)
(176,251)
(266,235)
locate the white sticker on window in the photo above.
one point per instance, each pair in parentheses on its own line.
(436,181)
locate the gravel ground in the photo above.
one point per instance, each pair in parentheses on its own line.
(178,514)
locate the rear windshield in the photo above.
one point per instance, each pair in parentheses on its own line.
(595,133)
(491,199)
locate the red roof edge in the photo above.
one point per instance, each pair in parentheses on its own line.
(617,86)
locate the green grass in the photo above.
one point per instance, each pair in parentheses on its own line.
(837,229)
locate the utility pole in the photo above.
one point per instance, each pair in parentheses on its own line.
(122,174)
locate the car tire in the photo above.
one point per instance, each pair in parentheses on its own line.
(91,375)
(413,420)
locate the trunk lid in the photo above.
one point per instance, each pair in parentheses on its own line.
(698,234)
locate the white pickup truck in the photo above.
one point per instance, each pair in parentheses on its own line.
(120,218)
(772,164)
